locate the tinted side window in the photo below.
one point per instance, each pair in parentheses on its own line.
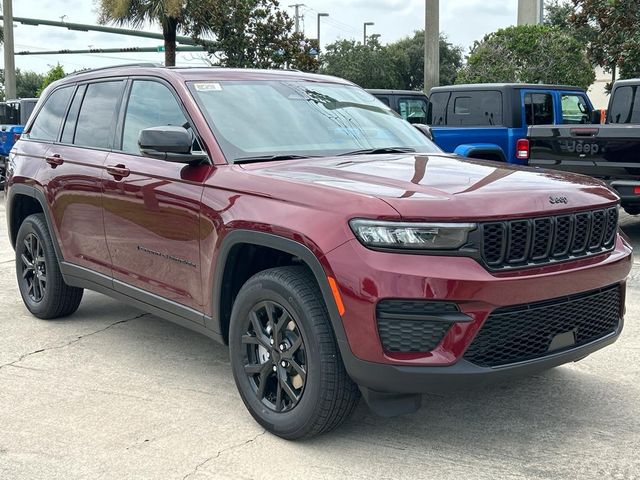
(538,109)
(622,105)
(414,110)
(479,108)
(384,100)
(47,124)
(151,104)
(69,128)
(97,118)
(438,108)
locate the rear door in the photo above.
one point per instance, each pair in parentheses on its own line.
(152,206)
(75,166)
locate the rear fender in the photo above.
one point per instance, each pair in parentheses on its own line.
(481,150)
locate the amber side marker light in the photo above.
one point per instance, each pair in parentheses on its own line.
(336,295)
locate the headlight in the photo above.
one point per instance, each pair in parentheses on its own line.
(414,236)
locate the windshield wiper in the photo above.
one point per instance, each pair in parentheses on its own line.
(374,151)
(268,158)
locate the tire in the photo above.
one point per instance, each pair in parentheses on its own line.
(327,396)
(42,288)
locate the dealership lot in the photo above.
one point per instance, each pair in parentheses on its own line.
(114,393)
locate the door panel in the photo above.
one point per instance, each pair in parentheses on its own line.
(152,221)
(74,188)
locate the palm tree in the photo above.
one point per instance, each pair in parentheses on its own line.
(170,14)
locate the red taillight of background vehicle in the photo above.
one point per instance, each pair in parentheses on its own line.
(522,149)
(636,190)
(16,137)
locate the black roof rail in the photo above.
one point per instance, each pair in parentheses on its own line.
(124,65)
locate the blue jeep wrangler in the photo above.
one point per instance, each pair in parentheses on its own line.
(13,117)
(490,121)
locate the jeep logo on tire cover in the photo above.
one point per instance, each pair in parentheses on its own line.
(554,200)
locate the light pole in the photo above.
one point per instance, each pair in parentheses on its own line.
(9,59)
(366,24)
(431,45)
(319,46)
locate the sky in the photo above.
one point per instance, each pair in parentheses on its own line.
(463,21)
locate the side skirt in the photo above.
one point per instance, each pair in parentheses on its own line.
(77,276)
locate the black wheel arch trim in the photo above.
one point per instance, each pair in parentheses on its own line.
(478,152)
(286,245)
(33,192)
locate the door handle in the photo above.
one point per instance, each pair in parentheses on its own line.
(54,160)
(118,171)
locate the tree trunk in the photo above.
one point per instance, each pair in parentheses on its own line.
(169,30)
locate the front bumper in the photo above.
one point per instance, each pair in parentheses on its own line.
(462,375)
(476,291)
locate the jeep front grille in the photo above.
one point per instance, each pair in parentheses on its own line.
(538,241)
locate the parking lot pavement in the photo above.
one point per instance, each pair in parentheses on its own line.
(114,393)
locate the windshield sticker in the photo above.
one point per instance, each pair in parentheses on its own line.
(207,87)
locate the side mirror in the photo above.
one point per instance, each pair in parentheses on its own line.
(424,129)
(168,143)
(596,117)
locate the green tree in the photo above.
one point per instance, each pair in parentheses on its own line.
(253,34)
(409,55)
(172,15)
(28,83)
(371,66)
(615,44)
(55,73)
(528,53)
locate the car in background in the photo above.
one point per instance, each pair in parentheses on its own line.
(13,117)
(412,105)
(490,121)
(610,152)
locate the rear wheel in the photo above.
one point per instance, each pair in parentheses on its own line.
(285,358)
(40,282)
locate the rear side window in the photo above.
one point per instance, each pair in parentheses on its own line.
(538,109)
(69,128)
(49,120)
(414,110)
(151,104)
(480,108)
(625,105)
(97,117)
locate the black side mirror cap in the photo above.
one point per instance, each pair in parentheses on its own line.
(171,143)
(596,117)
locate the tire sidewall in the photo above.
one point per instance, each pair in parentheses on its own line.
(287,423)
(33,226)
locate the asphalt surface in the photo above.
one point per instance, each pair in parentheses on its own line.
(112,392)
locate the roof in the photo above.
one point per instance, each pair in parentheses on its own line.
(383,91)
(504,86)
(198,73)
(630,81)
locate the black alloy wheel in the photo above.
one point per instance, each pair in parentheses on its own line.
(275,358)
(34,267)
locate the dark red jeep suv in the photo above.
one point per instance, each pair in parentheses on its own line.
(329,243)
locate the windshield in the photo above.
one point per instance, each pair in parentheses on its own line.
(296,118)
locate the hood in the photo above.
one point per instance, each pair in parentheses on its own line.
(439,186)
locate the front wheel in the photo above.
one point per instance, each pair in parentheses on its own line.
(285,358)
